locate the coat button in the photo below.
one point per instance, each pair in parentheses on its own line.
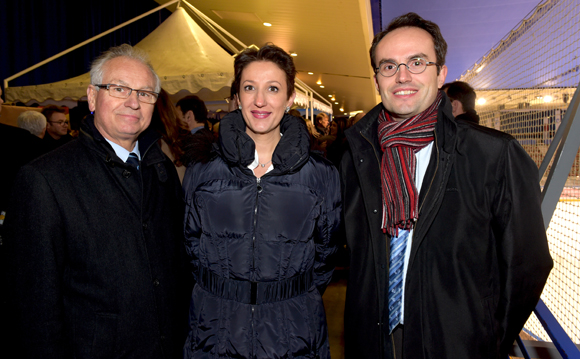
(375,211)
(126,173)
(362,160)
(260,189)
(145,225)
(156,282)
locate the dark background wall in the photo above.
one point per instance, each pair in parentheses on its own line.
(32,31)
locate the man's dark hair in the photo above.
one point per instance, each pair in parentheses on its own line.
(413,20)
(194,104)
(49,110)
(270,53)
(462,92)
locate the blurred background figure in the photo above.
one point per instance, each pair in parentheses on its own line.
(34,122)
(56,127)
(174,132)
(191,110)
(462,98)
(322,137)
(354,119)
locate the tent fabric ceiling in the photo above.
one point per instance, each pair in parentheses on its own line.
(182,54)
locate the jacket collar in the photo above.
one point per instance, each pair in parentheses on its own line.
(238,149)
(91,137)
(446,128)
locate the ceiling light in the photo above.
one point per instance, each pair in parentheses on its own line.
(329,95)
(481,101)
(321,86)
(336,103)
(548,98)
(267,24)
(480,68)
(311,73)
(319,82)
(341,109)
(293,54)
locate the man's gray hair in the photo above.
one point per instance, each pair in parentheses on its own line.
(124,50)
(32,121)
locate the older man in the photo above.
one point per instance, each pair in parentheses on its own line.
(443,221)
(34,122)
(95,235)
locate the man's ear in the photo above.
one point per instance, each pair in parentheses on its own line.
(442,75)
(456,107)
(92,97)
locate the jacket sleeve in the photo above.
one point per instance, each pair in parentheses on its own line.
(326,244)
(522,249)
(192,224)
(36,256)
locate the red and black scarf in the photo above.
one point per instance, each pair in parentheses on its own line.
(399,142)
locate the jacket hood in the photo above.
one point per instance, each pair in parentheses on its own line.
(237,148)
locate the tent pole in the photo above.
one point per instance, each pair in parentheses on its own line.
(202,15)
(86,42)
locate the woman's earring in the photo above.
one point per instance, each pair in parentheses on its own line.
(240,106)
(287,109)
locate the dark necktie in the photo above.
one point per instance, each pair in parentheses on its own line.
(133,160)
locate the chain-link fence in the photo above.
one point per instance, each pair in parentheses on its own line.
(524,86)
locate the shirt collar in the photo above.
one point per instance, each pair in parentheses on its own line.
(122,153)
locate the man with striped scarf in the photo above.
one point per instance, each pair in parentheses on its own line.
(448,253)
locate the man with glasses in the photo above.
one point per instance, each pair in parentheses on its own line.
(95,236)
(56,127)
(443,221)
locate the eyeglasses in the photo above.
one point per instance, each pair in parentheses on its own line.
(60,122)
(119,91)
(415,66)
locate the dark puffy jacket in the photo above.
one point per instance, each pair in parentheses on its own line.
(261,248)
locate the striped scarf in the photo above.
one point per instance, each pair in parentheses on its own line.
(399,142)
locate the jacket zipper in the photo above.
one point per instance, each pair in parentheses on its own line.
(258,187)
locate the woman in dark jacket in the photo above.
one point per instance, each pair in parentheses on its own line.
(258,225)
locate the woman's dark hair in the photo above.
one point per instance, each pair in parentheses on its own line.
(269,52)
(165,121)
(413,20)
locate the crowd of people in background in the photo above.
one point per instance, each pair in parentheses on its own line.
(57,125)
(142,228)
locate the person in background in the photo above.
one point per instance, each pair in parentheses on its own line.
(259,224)
(56,127)
(462,98)
(174,132)
(94,233)
(322,138)
(191,110)
(34,122)
(443,221)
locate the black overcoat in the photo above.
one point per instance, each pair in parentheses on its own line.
(96,253)
(479,256)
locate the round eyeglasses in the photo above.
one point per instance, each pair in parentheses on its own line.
(415,66)
(124,92)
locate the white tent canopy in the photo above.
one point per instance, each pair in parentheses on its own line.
(182,54)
